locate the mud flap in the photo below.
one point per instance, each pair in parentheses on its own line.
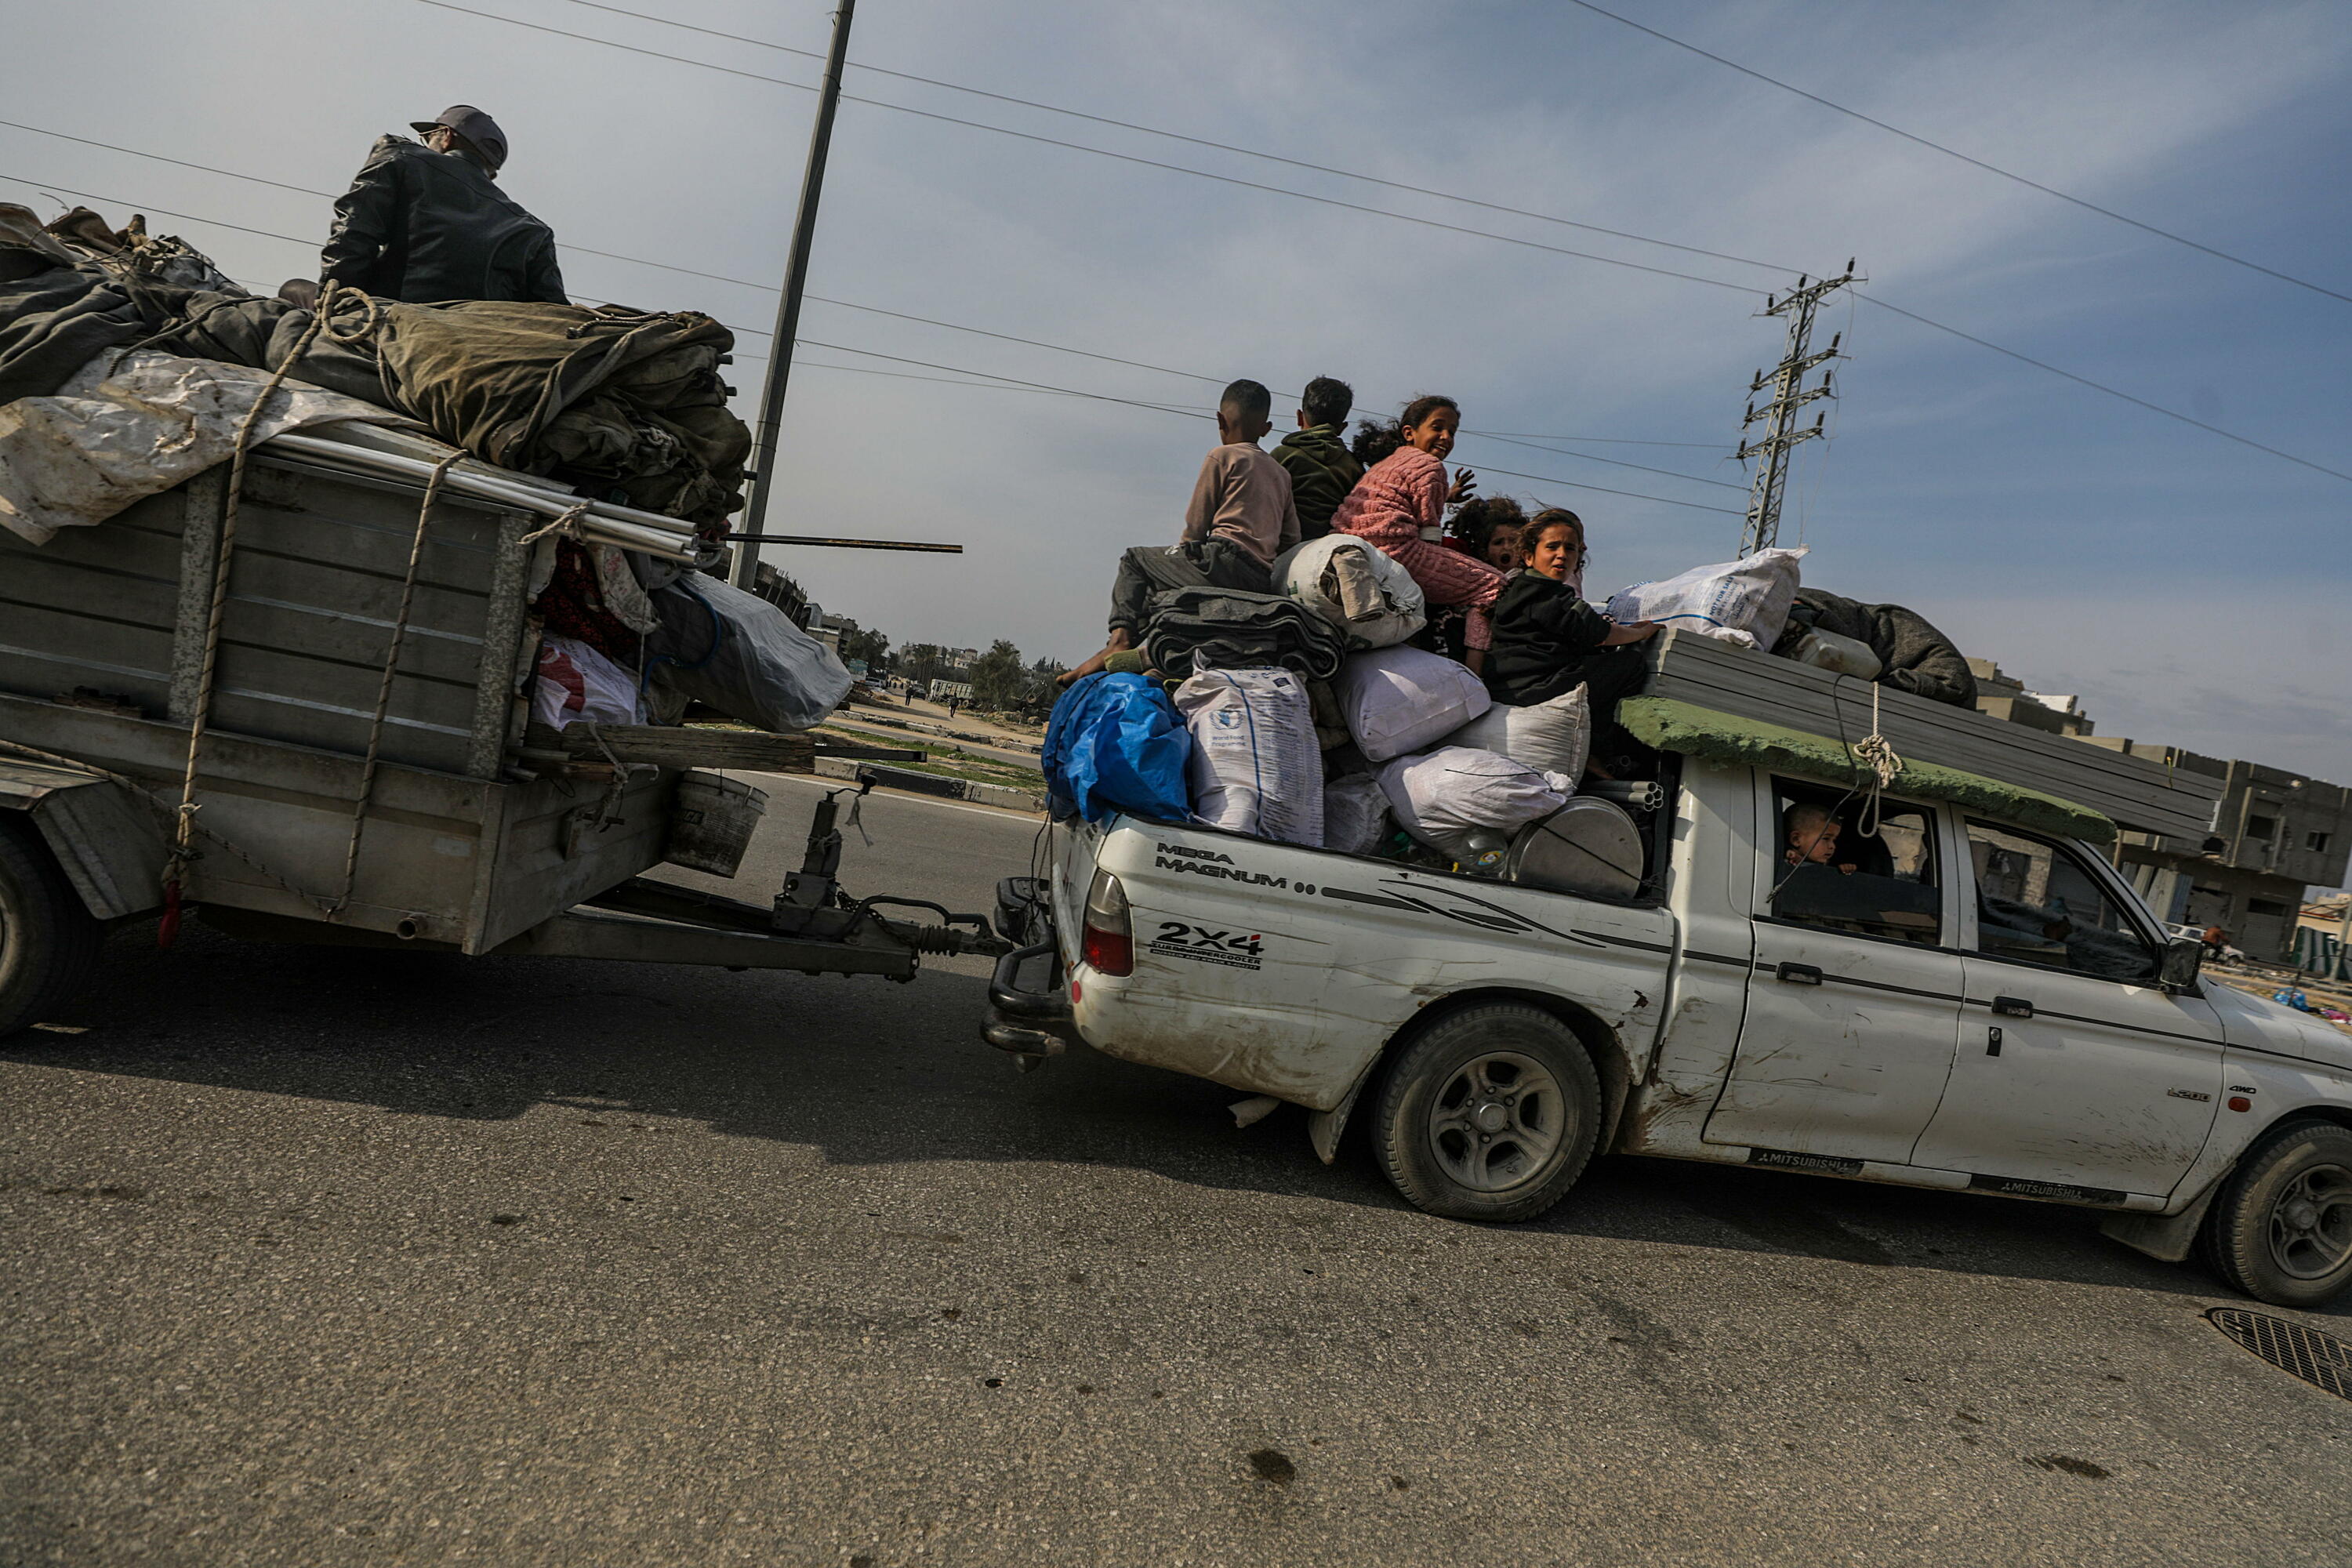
(1324,1127)
(2167,1238)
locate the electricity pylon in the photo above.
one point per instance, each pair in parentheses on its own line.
(1786,383)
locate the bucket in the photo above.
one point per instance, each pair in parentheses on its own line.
(711,822)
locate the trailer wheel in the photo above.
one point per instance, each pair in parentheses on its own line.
(49,940)
(2281,1229)
(1489,1114)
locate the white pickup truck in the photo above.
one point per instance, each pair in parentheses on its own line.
(1960,1003)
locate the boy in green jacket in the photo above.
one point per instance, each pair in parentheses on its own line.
(1322,470)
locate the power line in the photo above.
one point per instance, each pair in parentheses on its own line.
(1195,140)
(1605,440)
(1963,157)
(2085,381)
(1882,304)
(1456,228)
(1120,157)
(1605,490)
(1594,458)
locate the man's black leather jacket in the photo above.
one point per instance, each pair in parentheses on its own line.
(419,225)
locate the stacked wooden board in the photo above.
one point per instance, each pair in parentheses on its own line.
(2136,792)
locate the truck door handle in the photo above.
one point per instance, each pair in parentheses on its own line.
(1799,973)
(2013,1007)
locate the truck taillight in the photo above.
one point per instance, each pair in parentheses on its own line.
(1108,944)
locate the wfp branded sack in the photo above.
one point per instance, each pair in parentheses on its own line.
(1255,766)
(1744,602)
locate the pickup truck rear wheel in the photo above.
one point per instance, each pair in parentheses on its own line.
(2281,1228)
(1488,1114)
(49,940)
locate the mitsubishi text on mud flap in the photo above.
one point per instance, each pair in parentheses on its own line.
(1965,1002)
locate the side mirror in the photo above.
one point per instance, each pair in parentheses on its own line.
(2183,957)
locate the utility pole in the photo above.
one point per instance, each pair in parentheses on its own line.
(1786,383)
(788,309)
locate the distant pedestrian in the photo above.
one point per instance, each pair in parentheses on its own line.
(425,222)
(1322,470)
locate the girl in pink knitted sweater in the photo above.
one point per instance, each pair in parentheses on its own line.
(1398,505)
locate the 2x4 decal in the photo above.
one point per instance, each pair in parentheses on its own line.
(1200,945)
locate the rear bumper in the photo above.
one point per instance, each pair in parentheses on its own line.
(1031,1024)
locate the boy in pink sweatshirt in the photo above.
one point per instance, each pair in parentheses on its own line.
(1241,517)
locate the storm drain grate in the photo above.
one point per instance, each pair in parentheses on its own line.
(2321,1360)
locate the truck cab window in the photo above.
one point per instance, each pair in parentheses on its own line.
(2037,902)
(1827,871)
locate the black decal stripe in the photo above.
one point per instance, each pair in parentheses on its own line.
(1623,940)
(1716,957)
(2063,1191)
(1372,899)
(2236,1047)
(2042,1012)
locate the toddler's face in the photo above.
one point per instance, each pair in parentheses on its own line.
(1817,843)
(1503,549)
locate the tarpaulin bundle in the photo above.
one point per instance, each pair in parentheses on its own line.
(628,404)
(1115,744)
(1914,657)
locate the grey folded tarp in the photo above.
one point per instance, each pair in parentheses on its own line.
(1192,629)
(1917,657)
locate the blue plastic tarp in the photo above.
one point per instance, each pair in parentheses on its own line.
(1115,744)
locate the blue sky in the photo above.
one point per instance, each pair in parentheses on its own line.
(2189,589)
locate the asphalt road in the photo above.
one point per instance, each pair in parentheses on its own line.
(319,1257)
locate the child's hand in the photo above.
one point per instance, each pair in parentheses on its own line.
(1464,481)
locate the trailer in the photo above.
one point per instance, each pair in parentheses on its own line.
(367,771)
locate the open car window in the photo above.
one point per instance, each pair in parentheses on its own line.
(2037,902)
(1827,871)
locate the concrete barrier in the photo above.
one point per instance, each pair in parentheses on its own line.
(1001,795)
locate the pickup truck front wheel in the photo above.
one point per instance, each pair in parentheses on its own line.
(2281,1229)
(49,940)
(1488,1114)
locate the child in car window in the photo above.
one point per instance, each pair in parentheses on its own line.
(1812,836)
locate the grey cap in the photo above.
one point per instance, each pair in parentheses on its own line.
(474,126)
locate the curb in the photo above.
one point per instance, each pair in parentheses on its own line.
(1003,796)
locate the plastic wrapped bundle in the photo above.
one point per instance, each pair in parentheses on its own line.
(1115,744)
(1444,795)
(1363,592)
(733,651)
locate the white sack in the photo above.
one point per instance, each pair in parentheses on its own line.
(575,682)
(1254,767)
(1441,797)
(760,670)
(1356,820)
(1744,602)
(1551,737)
(1308,573)
(103,441)
(1400,700)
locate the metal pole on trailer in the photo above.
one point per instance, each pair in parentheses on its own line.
(788,309)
